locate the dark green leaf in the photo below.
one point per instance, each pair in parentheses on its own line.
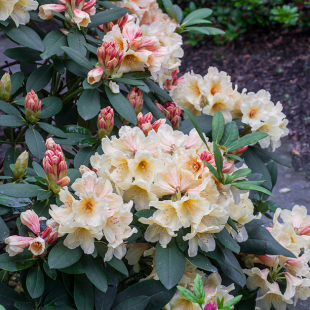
(187,294)
(75,68)
(205,30)
(169,263)
(78,58)
(38,169)
(61,256)
(231,223)
(273,171)
(52,273)
(88,141)
(10,158)
(106,16)
(53,43)
(76,41)
(39,78)
(241,173)
(9,109)
(11,121)
(83,293)
(158,294)
(76,129)
(58,296)
(22,54)
(41,208)
(101,248)
(225,238)
(178,13)
(35,282)
(218,158)
(52,130)
(247,303)
(50,107)
(157,90)
(89,104)
(17,80)
(202,262)
(91,48)
(248,185)
(44,194)
(231,134)
(136,75)
(218,126)
(246,140)
(4,231)
(169,8)
(76,268)
(118,265)
(197,14)
(122,106)
(145,213)
(104,301)
(94,272)
(23,306)
(73,174)
(83,156)
(261,242)
(35,143)
(18,262)
(20,190)
(134,303)
(8,297)
(91,86)
(212,169)
(24,36)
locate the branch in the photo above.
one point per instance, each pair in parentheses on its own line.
(9,64)
(11,218)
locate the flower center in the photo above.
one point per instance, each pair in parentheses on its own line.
(214,90)
(253,113)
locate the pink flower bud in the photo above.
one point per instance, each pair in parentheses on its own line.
(16,244)
(55,166)
(89,6)
(110,58)
(52,238)
(94,76)
(133,34)
(45,10)
(37,246)
(209,157)
(121,22)
(47,231)
(81,18)
(211,306)
(5,87)
(227,166)
(174,81)
(105,122)
(158,123)
(32,107)
(144,122)
(306,230)
(240,151)
(172,112)
(135,97)
(31,220)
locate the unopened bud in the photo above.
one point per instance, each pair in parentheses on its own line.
(208,156)
(174,81)
(52,238)
(105,122)
(135,97)
(5,87)
(144,122)
(32,107)
(47,231)
(21,165)
(172,112)
(64,31)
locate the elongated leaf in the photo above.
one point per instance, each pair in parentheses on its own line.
(231,223)
(49,271)
(8,297)
(104,301)
(83,156)
(231,134)
(52,130)
(169,263)
(24,36)
(246,140)
(205,30)
(76,41)
(106,16)
(53,43)
(248,185)
(187,294)
(17,80)
(218,126)
(197,14)
(83,293)
(169,8)
(118,265)
(218,158)
(94,272)
(198,287)
(76,268)
(11,121)
(212,169)
(20,190)
(241,173)
(91,48)
(75,68)
(35,282)
(78,58)
(76,129)
(18,262)
(158,294)
(4,230)
(9,109)
(122,106)
(35,143)
(62,257)
(89,104)
(13,202)
(225,238)
(39,78)
(202,262)
(22,54)
(233,301)
(50,107)
(134,303)
(204,122)
(273,171)
(157,90)
(261,242)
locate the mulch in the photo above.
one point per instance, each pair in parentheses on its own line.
(278,62)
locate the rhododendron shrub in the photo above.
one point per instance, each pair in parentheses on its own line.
(126,185)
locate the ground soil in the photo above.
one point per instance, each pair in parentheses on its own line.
(278,62)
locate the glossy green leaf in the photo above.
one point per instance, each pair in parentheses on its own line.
(20,190)
(8,297)
(53,43)
(231,223)
(41,208)
(17,80)
(4,230)
(76,129)
(89,104)
(35,143)
(91,48)
(241,173)
(249,185)
(73,174)
(273,171)
(39,78)
(106,16)
(52,273)
(91,86)
(246,140)
(83,156)
(233,301)
(22,54)
(18,262)
(35,282)
(11,121)
(75,68)
(25,36)
(218,158)
(22,306)
(104,301)
(52,130)
(261,242)
(157,90)
(205,30)
(169,263)
(78,58)
(212,169)
(76,268)
(195,15)
(122,106)
(38,169)
(9,109)
(76,41)
(10,158)
(62,257)
(218,126)
(134,303)
(118,265)
(50,107)
(83,293)
(231,134)
(225,238)
(202,262)
(59,66)
(94,272)
(204,122)
(145,213)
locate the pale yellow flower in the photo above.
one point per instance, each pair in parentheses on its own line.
(20,13)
